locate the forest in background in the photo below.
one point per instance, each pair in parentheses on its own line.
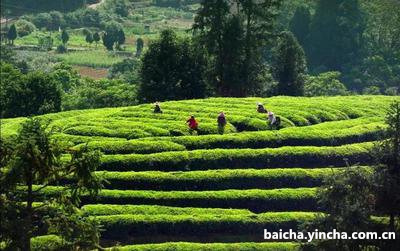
(114,54)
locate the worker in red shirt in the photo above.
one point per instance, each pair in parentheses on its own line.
(193,125)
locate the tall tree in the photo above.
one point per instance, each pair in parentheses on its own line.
(12,34)
(113,35)
(89,38)
(96,38)
(139,46)
(171,69)
(64,36)
(335,34)
(300,24)
(108,41)
(209,25)
(387,170)
(256,22)
(33,165)
(290,65)
(121,38)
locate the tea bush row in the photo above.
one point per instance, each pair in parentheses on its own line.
(106,209)
(188,246)
(292,156)
(217,179)
(121,226)
(256,200)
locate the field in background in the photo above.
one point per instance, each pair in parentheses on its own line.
(94,73)
(92,60)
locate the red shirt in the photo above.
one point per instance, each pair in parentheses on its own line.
(192,123)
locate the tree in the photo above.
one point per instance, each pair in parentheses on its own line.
(57,20)
(255,19)
(33,164)
(289,66)
(100,93)
(208,25)
(26,95)
(380,55)
(139,46)
(113,35)
(121,38)
(108,41)
(335,34)
(258,21)
(387,170)
(172,69)
(347,199)
(96,38)
(45,42)
(7,55)
(300,24)
(64,37)
(89,38)
(233,41)
(24,27)
(325,84)
(12,34)
(351,197)
(120,8)
(126,70)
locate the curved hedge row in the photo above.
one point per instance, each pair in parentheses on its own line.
(216,179)
(134,146)
(106,209)
(295,136)
(256,200)
(319,135)
(47,242)
(240,158)
(122,226)
(188,246)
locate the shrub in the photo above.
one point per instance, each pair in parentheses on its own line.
(24,27)
(371,90)
(47,242)
(325,84)
(61,49)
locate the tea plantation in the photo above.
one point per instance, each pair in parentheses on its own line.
(169,190)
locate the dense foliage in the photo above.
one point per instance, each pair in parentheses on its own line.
(22,6)
(172,68)
(235,41)
(351,198)
(28,94)
(57,215)
(290,66)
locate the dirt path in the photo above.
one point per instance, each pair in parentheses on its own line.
(3,20)
(95,5)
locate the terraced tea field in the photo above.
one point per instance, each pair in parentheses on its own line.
(169,190)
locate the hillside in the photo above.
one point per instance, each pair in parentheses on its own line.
(165,185)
